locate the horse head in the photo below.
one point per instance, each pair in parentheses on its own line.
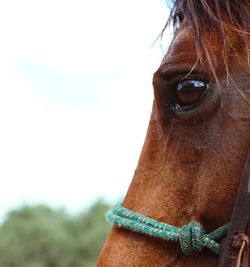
(198,135)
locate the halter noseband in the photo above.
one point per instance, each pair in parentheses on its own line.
(191,236)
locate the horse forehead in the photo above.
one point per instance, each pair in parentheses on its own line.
(182,46)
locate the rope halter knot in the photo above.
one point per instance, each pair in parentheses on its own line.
(191,237)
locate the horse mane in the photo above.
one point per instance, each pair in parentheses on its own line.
(204,15)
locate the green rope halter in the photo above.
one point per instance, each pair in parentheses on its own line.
(191,236)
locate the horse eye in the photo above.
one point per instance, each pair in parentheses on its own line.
(188,92)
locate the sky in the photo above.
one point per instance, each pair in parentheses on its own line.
(75,97)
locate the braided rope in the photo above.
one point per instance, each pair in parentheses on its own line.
(192,236)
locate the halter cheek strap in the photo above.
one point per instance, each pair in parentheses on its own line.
(235,246)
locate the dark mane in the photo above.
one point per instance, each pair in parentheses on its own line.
(204,15)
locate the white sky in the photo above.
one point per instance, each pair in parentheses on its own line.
(75,97)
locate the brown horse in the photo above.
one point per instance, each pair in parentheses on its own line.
(198,135)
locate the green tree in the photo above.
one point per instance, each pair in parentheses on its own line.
(42,237)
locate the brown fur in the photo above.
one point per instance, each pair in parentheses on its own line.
(191,164)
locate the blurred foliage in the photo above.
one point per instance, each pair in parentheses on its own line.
(43,237)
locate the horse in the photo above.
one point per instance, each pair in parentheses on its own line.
(198,135)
